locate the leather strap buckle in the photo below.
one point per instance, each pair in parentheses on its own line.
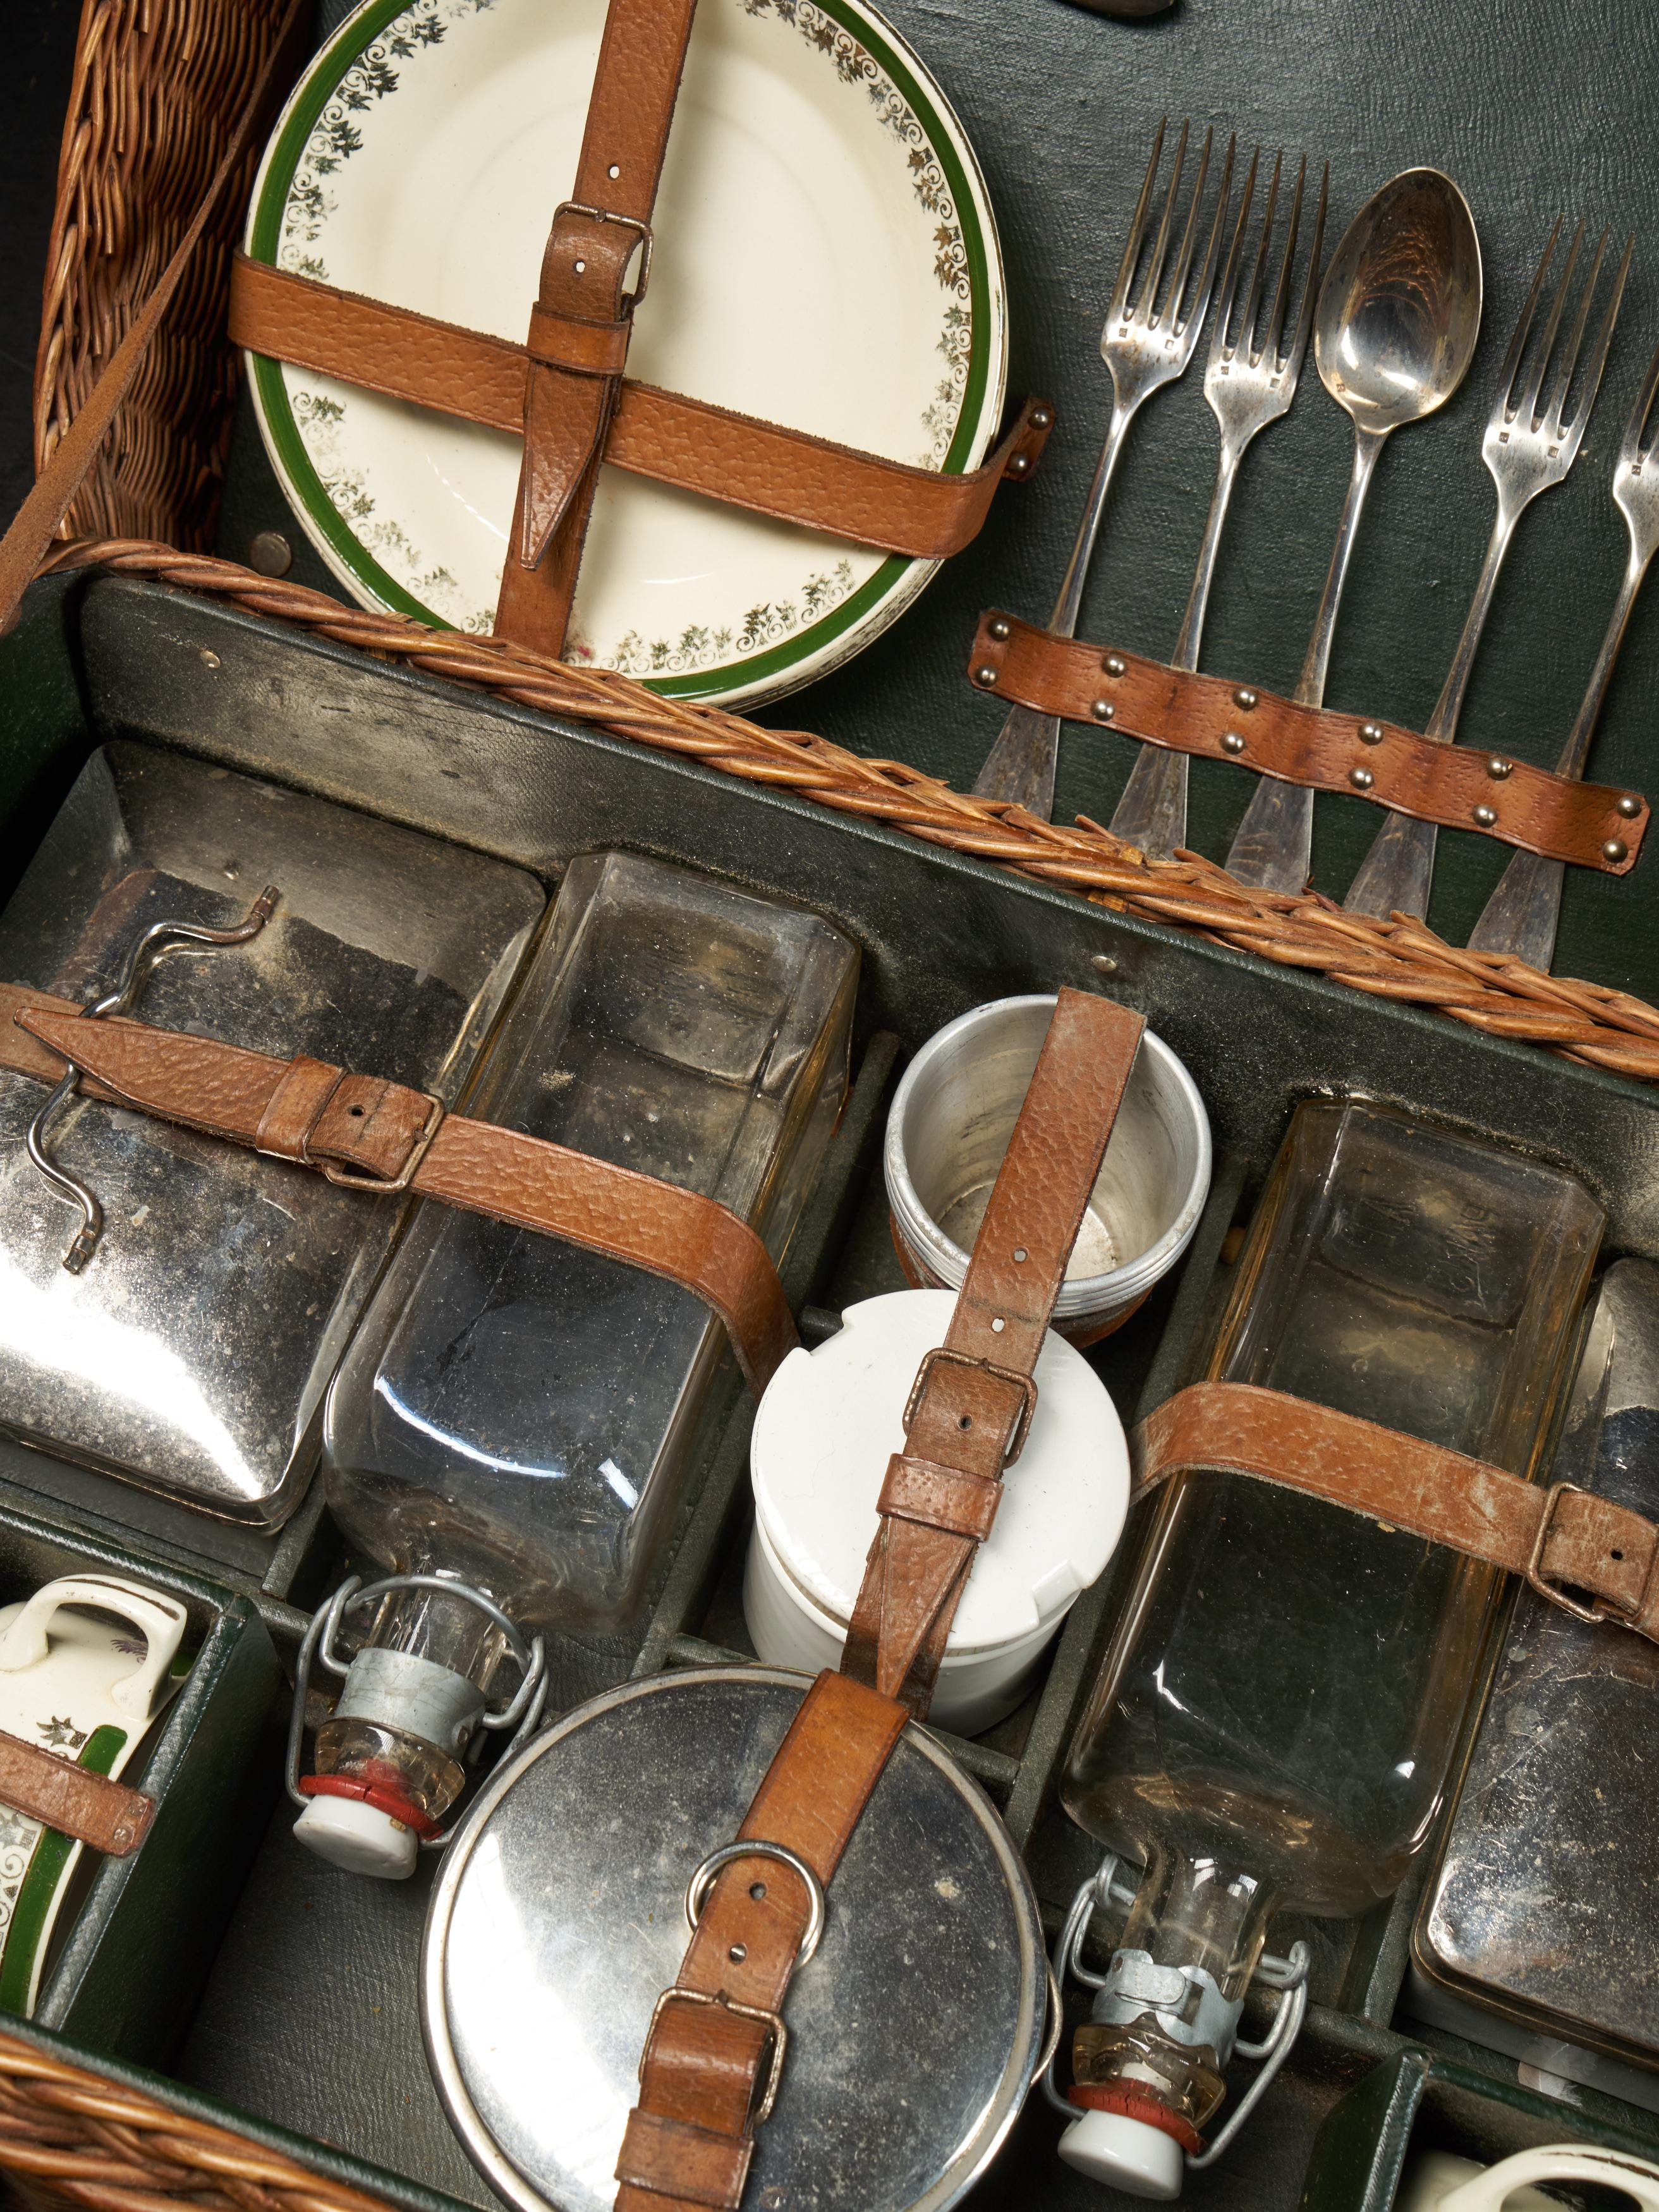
(350,1178)
(628,221)
(1603,1608)
(762,2111)
(1025,1384)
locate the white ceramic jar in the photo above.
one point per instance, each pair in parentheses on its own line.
(829,1422)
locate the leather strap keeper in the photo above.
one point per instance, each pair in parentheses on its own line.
(736,458)
(938,1496)
(106,1815)
(586,349)
(1459,787)
(372,1135)
(1595,1559)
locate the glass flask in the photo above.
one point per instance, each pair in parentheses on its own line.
(524,1416)
(1273,1722)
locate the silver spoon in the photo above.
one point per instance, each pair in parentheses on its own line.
(1394,334)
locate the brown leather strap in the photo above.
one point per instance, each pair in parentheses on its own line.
(733,457)
(369,1134)
(973,1398)
(1581,1551)
(1458,786)
(717,2036)
(584,317)
(35,524)
(60,1795)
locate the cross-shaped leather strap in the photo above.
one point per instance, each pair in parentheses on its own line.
(583,318)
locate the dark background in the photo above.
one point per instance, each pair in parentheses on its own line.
(33,94)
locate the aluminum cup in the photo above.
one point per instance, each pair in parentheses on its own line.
(949,1128)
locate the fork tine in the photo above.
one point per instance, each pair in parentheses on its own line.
(1569,361)
(1137,228)
(1202,289)
(1169,314)
(1633,451)
(1598,361)
(1219,349)
(1299,350)
(1518,343)
(1247,321)
(1153,273)
(1269,345)
(1525,409)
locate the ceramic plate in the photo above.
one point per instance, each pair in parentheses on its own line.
(825,258)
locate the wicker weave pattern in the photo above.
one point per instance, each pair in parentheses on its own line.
(157,85)
(1398,960)
(71,2137)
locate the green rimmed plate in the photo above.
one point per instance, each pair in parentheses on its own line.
(826,258)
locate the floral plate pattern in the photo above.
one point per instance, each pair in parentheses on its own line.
(826,258)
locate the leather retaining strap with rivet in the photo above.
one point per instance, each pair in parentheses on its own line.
(1584,1554)
(583,317)
(1589,825)
(714,2053)
(736,458)
(368,1134)
(972,1399)
(108,1815)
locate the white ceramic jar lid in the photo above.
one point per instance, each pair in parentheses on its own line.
(831,1420)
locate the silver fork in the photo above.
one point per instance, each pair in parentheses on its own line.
(1147,342)
(1526,453)
(1521,915)
(1249,381)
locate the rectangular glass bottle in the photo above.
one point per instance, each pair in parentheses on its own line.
(523,1414)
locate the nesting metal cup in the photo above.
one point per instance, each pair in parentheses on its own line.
(949,1128)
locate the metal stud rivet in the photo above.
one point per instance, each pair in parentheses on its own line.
(269,553)
(1000,629)
(1020,464)
(1630,806)
(1104,963)
(1231,742)
(1361,778)
(1486,816)
(1244,698)
(1104,710)
(1614,850)
(1115,664)
(208,660)
(1041,418)
(985,675)
(1498,769)
(1371,734)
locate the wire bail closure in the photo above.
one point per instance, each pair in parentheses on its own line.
(521,1712)
(1288,1975)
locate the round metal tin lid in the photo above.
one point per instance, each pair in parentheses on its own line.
(559,1918)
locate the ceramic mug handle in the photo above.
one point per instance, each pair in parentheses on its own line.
(1486,2192)
(162,1619)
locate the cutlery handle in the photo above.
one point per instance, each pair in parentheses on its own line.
(1153,811)
(1021,765)
(1272,847)
(1522,915)
(1398,872)
(1067,606)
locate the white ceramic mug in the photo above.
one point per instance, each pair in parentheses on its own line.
(68,1685)
(1438,2182)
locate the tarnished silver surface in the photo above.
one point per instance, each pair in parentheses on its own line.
(192,1354)
(559,1919)
(1546,1902)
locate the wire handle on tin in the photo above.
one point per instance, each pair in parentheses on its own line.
(161,937)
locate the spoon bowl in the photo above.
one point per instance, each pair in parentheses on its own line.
(1400,308)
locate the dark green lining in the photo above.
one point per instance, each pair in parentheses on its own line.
(355,556)
(39,1885)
